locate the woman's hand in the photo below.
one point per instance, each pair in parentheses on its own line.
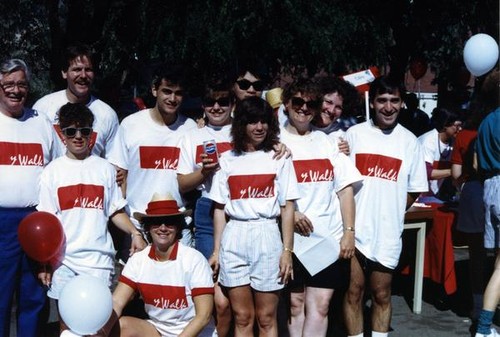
(286,266)
(302,224)
(213,261)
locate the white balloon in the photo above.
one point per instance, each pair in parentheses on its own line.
(480,54)
(67,333)
(85,304)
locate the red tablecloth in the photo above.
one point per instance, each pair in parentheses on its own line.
(439,260)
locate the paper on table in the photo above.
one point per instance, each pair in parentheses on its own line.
(318,250)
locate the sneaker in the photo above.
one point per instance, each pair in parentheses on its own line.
(493,333)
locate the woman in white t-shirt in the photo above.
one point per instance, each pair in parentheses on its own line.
(252,190)
(324,214)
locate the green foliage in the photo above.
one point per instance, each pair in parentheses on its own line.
(210,36)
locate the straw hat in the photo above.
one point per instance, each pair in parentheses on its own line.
(162,209)
(273,97)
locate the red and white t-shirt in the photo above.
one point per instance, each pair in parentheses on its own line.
(253,185)
(150,152)
(392,165)
(192,147)
(83,194)
(105,121)
(26,146)
(168,287)
(321,173)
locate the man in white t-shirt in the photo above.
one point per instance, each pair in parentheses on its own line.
(391,161)
(148,146)
(26,147)
(77,68)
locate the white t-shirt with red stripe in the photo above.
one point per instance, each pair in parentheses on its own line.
(392,165)
(168,287)
(26,146)
(150,152)
(192,147)
(83,194)
(321,172)
(105,121)
(253,185)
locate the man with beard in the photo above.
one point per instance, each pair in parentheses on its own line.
(26,146)
(77,68)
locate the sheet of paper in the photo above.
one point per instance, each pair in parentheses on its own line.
(317,251)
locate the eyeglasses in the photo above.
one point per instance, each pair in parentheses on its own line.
(70,132)
(222,101)
(298,102)
(9,86)
(246,84)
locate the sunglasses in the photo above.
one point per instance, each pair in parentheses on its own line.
(245,84)
(222,101)
(71,132)
(298,102)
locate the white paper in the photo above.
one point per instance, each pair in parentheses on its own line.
(318,250)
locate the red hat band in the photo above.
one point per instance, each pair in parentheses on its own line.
(162,207)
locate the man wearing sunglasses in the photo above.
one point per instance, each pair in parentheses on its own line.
(248,81)
(77,68)
(148,144)
(26,147)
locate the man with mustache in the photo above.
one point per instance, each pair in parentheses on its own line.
(77,68)
(26,147)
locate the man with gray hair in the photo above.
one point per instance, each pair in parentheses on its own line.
(26,146)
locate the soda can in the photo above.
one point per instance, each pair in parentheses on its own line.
(210,148)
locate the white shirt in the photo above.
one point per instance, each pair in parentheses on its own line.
(392,165)
(83,194)
(105,121)
(436,153)
(168,287)
(26,146)
(150,152)
(192,147)
(253,185)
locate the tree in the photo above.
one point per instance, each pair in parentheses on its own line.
(289,37)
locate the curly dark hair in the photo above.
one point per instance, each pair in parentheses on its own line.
(75,113)
(253,110)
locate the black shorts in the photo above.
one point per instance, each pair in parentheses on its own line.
(370,266)
(335,276)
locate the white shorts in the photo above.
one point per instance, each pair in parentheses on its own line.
(250,254)
(64,274)
(491,200)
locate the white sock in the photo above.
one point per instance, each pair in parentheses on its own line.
(360,335)
(379,334)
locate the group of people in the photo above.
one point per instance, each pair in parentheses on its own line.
(221,214)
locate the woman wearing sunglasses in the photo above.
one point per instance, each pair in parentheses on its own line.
(81,190)
(197,164)
(324,214)
(252,190)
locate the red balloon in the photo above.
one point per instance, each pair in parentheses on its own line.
(41,236)
(418,68)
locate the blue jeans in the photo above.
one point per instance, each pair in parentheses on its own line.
(18,276)
(204,227)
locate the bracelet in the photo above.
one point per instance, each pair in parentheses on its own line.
(136,234)
(286,249)
(350,229)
